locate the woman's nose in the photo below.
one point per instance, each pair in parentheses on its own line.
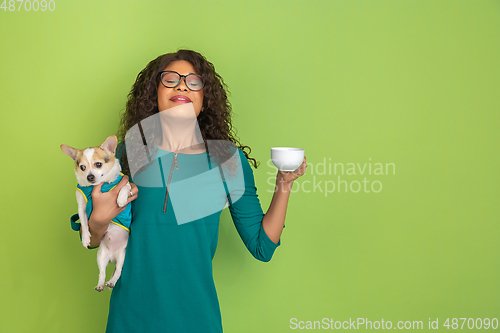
(182,84)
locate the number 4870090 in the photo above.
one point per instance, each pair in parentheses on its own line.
(28,5)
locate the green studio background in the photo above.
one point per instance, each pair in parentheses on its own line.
(407,85)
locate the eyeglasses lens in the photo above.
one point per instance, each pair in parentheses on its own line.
(171,80)
(194,82)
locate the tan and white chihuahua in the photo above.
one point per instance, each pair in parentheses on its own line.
(97,165)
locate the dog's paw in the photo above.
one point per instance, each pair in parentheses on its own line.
(122,199)
(109,284)
(99,288)
(86,240)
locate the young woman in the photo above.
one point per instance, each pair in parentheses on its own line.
(167,283)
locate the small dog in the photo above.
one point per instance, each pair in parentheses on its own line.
(97,165)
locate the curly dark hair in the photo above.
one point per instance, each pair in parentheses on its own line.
(214,121)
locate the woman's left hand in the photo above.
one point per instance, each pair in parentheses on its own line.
(290,176)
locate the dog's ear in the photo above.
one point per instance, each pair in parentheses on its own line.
(109,145)
(71,152)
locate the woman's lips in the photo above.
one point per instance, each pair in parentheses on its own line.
(180,99)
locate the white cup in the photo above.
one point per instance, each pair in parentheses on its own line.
(287,158)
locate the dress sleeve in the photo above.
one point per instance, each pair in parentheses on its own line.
(120,153)
(247,216)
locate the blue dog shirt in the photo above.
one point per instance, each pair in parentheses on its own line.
(124,219)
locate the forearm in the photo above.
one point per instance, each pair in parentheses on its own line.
(274,219)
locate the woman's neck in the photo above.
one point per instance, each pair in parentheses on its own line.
(180,130)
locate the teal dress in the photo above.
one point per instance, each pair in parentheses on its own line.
(167,281)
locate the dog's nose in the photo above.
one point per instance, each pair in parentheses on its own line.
(90,178)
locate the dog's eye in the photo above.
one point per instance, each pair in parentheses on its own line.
(82,167)
(98,164)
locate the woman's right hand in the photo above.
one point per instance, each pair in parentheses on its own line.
(104,206)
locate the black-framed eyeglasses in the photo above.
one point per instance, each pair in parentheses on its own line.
(171,79)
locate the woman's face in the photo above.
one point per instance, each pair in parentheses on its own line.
(170,97)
